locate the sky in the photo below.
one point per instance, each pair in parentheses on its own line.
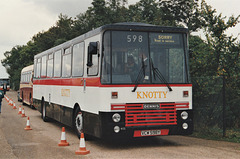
(20,20)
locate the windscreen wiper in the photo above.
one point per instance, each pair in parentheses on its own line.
(140,75)
(158,74)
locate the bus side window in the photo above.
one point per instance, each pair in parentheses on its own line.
(57,63)
(77,66)
(44,67)
(35,69)
(50,66)
(93,70)
(66,63)
(38,68)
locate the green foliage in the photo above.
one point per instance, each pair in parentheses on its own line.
(18,56)
(182,12)
(22,56)
(201,57)
(214,133)
(225,48)
(212,59)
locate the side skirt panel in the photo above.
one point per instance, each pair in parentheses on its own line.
(57,112)
(62,114)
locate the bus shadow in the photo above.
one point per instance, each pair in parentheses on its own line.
(123,143)
(135,143)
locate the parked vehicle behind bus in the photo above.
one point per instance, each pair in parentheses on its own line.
(4,84)
(26,86)
(89,84)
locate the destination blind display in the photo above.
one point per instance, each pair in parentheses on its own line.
(164,38)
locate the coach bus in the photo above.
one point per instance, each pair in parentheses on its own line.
(119,80)
(26,85)
(4,82)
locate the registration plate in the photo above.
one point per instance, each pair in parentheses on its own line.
(157,132)
(150,132)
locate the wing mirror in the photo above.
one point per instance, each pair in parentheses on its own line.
(92,50)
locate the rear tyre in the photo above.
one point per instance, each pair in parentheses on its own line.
(23,99)
(30,101)
(44,114)
(78,122)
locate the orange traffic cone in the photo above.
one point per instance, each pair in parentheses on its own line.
(28,125)
(20,110)
(82,148)
(14,106)
(23,113)
(63,141)
(6,98)
(10,102)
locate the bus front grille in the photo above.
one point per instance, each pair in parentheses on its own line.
(152,115)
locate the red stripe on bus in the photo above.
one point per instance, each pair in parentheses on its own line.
(94,82)
(60,81)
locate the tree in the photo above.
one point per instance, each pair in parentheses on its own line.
(22,56)
(225,48)
(212,59)
(201,56)
(182,12)
(61,32)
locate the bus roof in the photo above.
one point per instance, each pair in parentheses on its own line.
(133,26)
(126,26)
(27,68)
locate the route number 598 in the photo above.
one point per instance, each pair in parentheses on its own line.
(134,38)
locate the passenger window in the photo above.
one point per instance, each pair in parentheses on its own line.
(50,66)
(38,68)
(57,63)
(44,67)
(35,68)
(66,64)
(78,52)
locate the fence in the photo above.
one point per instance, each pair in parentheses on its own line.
(216,102)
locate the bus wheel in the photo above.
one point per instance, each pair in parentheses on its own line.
(30,101)
(78,122)
(44,117)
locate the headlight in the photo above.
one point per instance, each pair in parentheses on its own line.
(116,129)
(116,117)
(184,126)
(184,115)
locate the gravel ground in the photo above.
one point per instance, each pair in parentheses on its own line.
(42,141)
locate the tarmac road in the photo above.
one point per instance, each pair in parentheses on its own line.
(42,141)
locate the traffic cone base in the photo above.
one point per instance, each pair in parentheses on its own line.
(82,151)
(27,128)
(82,148)
(63,141)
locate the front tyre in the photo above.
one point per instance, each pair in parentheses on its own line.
(78,122)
